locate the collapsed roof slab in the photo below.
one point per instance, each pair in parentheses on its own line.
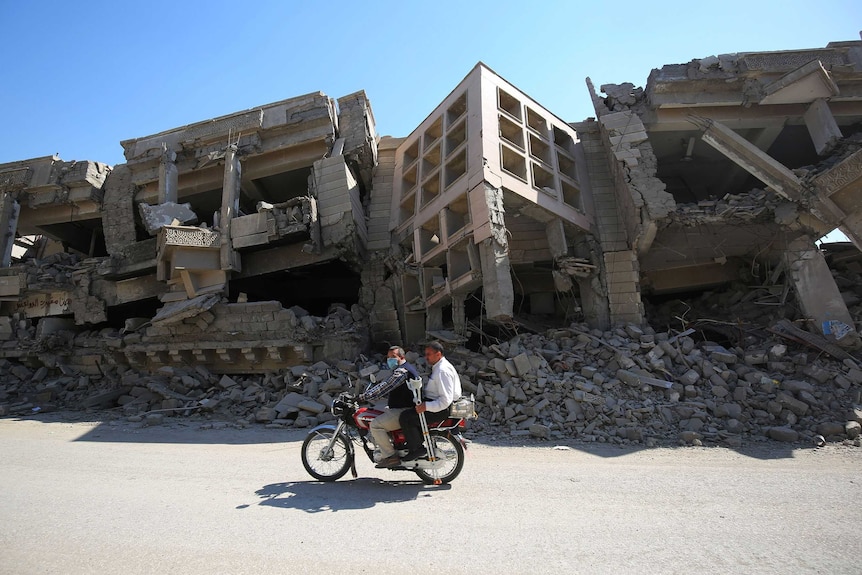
(52,191)
(750,157)
(304,122)
(842,182)
(742,79)
(676,119)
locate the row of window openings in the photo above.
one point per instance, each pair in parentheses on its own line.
(456,257)
(512,107)
(456,131)
(540,150)
(435,178)
(542,179)
(456,216)
(433,156)
(457,265)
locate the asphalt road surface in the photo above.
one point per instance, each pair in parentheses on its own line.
(86,497)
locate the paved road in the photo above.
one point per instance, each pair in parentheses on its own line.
(90,498)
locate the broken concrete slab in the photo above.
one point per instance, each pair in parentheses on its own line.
(176,312)
(155,217)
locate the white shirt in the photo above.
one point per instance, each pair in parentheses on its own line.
(444,386)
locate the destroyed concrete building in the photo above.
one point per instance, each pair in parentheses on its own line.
(728,169)
(293,233)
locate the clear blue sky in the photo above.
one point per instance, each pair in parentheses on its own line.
(78,77)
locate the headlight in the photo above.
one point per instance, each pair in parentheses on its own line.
(337,408)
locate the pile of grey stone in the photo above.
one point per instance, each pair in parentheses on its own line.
(633,385)
(628,385)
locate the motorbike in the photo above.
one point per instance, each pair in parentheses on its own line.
(329,450)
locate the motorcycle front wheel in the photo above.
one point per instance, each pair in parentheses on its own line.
(323,462)
(451,453)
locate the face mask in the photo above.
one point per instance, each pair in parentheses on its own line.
(392,362)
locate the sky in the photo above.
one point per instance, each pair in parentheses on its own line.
(79,77)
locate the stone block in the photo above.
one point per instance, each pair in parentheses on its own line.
(829,428)
(791,403)
(311,406)
(794,386)
(540,431)
(523,366)
(226,382)
(783,434)
(265,414)
(690,377)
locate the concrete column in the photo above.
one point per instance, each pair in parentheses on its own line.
(594,303)
(434,318)
(459,317)
(556,233)
(230,208)
(499,293)
(822,126)
(621,275)
(168,176)
(10,209)
(118,210)
(818,295)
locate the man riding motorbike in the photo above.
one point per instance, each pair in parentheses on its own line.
(400,399)
(443,387)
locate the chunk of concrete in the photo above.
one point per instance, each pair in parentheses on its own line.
(158,216)
(540,431)
(783,434)
(312,406)
(791,403)
(522,364)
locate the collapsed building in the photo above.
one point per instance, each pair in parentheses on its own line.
(293,233)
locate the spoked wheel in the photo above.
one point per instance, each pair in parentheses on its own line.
(452,455)
(324,459)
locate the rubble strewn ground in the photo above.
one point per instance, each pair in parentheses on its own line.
(629,385)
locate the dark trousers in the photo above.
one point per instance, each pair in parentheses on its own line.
(409,421)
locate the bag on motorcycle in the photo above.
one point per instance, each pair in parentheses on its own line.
(464,408)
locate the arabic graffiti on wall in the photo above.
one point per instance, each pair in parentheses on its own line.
(44,304)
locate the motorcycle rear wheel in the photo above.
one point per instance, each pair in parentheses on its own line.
(322,463)
(452,454)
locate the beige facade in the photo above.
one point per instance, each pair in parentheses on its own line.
(293,232)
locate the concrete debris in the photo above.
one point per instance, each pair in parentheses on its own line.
(629,385)
(658,260)
(158,216)
(176,312)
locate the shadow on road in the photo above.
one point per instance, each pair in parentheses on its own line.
(756,450)
(111,429)
(362,493)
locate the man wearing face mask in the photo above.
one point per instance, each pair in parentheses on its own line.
(400,399)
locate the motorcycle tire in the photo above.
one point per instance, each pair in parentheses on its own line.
(454,454)
(326,466)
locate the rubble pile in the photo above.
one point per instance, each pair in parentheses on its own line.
(845,261)
(723,311)
(627,385)
(756,205)
(633,385)
(54,271)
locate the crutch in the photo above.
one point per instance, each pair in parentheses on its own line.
(415,386)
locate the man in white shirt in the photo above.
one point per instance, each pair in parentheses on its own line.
(443,387)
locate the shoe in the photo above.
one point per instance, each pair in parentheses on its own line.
(391,461)
(415,454)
